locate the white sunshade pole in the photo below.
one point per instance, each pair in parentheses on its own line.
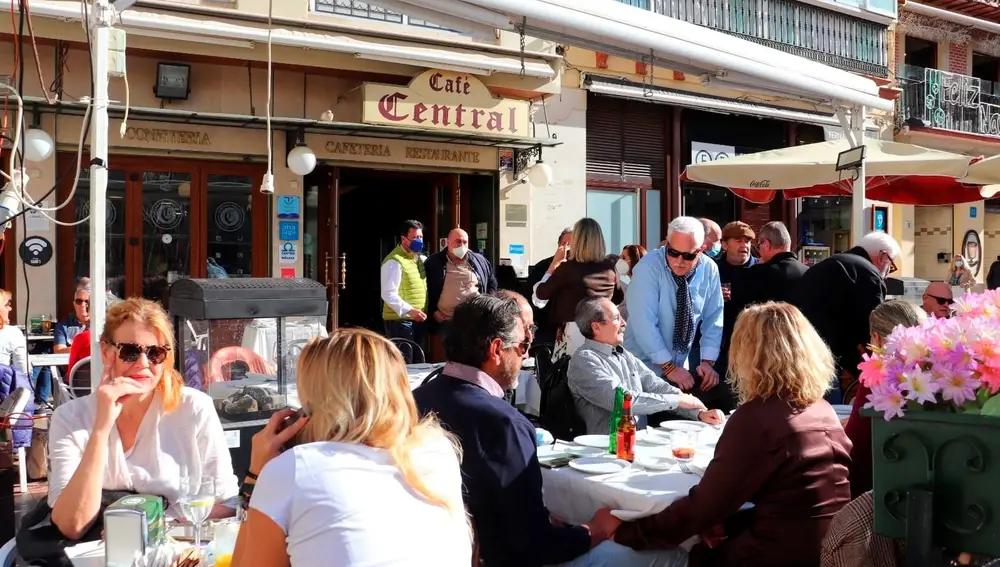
(859,206)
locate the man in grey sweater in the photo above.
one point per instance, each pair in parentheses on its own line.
(601,365)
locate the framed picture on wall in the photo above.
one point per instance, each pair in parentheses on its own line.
(880,218)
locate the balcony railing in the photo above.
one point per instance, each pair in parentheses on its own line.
(822,35)
(949,101)
(369,11)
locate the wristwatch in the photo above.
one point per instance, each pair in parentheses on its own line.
(710,362)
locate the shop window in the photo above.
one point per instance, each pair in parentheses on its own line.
(709,202)
(987,69)
(654,214)
(230,230)
(618,214)
(920,53)
(825,222)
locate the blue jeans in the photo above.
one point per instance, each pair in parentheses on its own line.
(611,554)
(41,381)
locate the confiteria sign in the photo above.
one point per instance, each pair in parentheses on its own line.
(444,100)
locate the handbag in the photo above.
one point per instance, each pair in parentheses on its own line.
(41,544)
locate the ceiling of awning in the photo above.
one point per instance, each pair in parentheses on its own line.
(642,35)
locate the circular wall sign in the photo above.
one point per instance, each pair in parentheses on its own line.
(35,251)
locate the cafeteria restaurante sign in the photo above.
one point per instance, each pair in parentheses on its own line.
(445,100)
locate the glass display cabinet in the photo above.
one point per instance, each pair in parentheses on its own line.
(239,339)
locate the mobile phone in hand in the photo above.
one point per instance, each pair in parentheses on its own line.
(285,423)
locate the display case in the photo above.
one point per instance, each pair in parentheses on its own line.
(239,339)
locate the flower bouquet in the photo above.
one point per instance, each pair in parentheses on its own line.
(937,386)
(949,365)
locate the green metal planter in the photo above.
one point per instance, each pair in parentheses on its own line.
(954,456)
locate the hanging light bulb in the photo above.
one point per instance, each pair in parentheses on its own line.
(38,145)
(301,160)
(540,174)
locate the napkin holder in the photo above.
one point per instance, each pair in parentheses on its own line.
(131,525)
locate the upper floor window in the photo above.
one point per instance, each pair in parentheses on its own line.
(369,11)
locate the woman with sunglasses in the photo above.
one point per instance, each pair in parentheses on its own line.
(141,430)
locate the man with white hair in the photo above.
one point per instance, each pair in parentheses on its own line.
(674,289)
(838,294)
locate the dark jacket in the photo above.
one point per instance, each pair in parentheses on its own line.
(10,380)
(790,464)
(838,295)
(546,331)
(435,266)
(573,281)
(775,280)
(503,481)
(993,277)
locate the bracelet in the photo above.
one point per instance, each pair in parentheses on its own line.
(667,368)
(251,476)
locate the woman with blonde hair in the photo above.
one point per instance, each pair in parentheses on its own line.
(581,270)
(140,431)
(960,274)
(367,482)
(882,321)
(783,450)
(13,345)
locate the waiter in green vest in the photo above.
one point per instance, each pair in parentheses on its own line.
(404,286)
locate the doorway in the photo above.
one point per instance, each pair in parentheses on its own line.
(166,219)
(353,233)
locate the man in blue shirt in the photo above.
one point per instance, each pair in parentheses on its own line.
(674,290)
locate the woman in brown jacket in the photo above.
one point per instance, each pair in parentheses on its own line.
(579,271)
(783,450)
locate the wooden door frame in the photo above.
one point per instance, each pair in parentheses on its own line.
(134,166)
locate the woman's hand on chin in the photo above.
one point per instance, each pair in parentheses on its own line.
(267,443)
(111,397)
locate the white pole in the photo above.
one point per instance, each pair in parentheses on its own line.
(101,25)
(859,206)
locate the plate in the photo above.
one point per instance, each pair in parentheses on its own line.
(597,441)
(586,451)
(654,437)
(692,426)
(599,465)
(551,452)
(655,462)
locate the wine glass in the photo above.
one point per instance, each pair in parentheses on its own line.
(196,501)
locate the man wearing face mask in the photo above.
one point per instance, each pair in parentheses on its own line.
(454,275)
(838,295)
(713,236)
(404,286)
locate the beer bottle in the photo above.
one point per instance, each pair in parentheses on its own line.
(626,431)
(613,424)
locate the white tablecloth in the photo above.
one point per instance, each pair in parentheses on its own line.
(574,497)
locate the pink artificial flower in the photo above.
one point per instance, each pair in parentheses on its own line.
(872,369)
(958,387)
(919,385)
(989,376)
(887,399)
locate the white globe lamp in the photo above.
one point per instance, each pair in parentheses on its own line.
(38,146)
(540,174)
(301,160)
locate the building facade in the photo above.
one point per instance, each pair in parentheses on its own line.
(948,70)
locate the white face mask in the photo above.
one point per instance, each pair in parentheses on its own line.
(959,264)
(460,251)
(622,267)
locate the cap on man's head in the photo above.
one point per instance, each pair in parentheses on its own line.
(737,229)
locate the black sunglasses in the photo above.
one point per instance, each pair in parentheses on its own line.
(130,352)
(82,302)
(689,256)
(941,300)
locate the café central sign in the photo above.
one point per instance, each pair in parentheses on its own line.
(403,152)
(445,100)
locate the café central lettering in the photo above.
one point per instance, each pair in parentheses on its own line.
(372,150)
(165,136)
(445,100)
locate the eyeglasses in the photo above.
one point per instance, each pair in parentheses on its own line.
(130,352)
(941,300)
(689,256)
(82,302)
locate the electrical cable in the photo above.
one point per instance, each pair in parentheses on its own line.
(34,49)
(270,91)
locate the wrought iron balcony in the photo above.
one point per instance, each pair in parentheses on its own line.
(822,35)
(369,11)
(949,101)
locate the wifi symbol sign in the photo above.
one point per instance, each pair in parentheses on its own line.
(36,251)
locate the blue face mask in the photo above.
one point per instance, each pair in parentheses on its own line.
(714,251)
(416,245)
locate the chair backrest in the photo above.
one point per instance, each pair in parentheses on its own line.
(78,379)
(432,375)
(542,353)
(411,351)
(559,415)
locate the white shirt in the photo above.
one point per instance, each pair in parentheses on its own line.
(187,442)
(392,276)
(347,504)
(13,348)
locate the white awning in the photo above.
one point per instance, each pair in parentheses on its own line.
(643,35)
(624,89)
(393,51)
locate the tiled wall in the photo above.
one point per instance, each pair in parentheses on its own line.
(932,235)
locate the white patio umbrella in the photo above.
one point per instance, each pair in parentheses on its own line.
(895,173)
(985,172)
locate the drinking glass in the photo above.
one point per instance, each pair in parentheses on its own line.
(196,502)
(682,445)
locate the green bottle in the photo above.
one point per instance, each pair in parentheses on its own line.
(616,416)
